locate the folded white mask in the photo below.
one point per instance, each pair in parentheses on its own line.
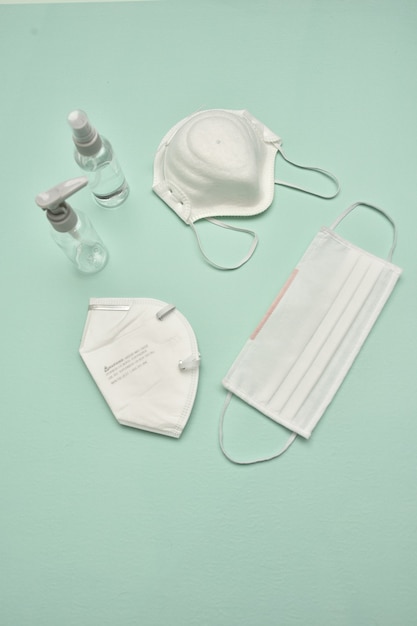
(143,356)
(298,356)
(220,163)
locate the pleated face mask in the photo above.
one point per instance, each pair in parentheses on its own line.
(143,355)
(220,163)
(295,360)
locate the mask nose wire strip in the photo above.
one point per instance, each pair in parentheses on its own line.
(229,227)
(109,307)
(325,173)
(260,460)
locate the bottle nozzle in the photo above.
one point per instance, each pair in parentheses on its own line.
(81,127)
(85,136)
(52,199)
(59,213)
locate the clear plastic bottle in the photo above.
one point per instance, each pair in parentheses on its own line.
(95,156)
(82,245)
(73,232)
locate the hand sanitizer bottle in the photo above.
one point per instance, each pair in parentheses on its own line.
(94,155)
(73,232)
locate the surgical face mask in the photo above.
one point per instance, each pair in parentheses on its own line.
(295,360)
(219,163)
(143,355)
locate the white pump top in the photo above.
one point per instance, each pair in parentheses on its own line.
(59,213)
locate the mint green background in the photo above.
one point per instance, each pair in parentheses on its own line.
(103,525)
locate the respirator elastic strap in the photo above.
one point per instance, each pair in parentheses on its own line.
(312,169)
(229,227)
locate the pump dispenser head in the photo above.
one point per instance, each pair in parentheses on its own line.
(86,138)
(59,213)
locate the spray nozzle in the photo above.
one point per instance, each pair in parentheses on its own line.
(58,212)
(85,136)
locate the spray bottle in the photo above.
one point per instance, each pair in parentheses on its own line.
(94,155)
(73,232)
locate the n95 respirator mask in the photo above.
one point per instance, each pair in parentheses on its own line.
(295,360)
(219,163)
(143,355)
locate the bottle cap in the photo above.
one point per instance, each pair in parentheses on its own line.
(86,138)
(62,217)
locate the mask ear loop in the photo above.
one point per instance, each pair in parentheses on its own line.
(229,227)
(260,460)
(312,169)
(374,208)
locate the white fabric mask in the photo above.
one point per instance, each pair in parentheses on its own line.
(218,163)
(143,356)
(298,356)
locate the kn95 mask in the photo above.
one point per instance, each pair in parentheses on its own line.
(143,355)
(219,163)
(297,357)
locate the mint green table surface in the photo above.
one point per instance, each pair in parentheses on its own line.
(103,525)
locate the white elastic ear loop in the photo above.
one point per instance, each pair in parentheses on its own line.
(313,169)
(260,460)
(374,208)
(229,227)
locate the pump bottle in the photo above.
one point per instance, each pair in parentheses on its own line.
(73,232)
(94,155)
